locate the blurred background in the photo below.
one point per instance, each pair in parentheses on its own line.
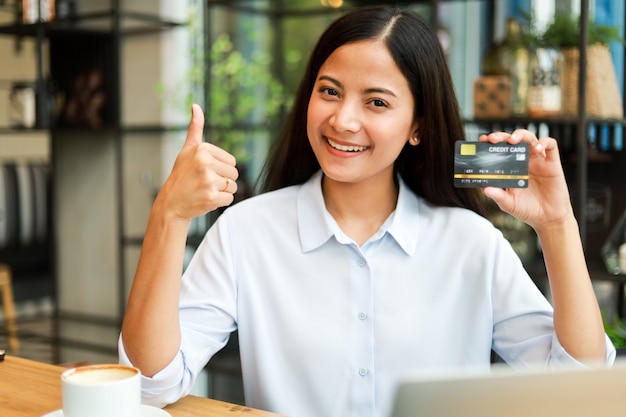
(95,98)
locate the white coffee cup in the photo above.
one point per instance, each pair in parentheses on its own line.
(101,391)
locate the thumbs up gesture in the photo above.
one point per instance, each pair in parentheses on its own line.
(203,177)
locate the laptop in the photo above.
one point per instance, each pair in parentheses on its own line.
(504,392)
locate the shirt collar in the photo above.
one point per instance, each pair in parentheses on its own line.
(405,226)
(316,225)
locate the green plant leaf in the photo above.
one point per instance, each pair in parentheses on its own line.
(564,32)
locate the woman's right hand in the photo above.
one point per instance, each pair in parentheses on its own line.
(202,179)
(197,184)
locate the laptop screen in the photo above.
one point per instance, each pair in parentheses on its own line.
(504,392)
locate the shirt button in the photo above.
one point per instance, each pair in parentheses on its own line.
(361,262)
(363,371)
(362,315)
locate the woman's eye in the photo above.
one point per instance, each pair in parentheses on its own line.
(329,91)
(378,103)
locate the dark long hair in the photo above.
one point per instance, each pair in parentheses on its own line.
(427,168)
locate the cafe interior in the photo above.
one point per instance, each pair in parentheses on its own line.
(94,104)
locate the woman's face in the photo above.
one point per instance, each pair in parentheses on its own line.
(360,114)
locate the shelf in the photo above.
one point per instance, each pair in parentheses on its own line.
(604,275)
(95,23)
(601,134)
(537,270)
(556,120)
(153,128)
(118,129)
(275,9)
(281,9)
(78,64)
(105,130)
(20,130)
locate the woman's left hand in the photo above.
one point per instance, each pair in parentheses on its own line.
(545,205)
(546,200)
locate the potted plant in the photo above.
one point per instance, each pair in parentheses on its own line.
(564,32)
(545,66)
(242,99)
(603,98)
(242,95)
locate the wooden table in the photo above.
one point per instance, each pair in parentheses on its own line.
(33,389)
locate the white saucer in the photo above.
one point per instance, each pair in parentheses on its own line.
(146,411)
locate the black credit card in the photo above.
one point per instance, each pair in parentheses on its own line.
(485,164)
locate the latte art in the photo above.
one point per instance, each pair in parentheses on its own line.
(99,375)
(102,390)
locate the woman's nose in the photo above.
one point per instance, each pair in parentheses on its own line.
(346,117)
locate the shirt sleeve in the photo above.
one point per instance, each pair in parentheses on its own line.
(560,357)
(160,390)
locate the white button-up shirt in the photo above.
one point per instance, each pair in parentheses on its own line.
(326,327)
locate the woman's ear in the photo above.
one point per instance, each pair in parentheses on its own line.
(415,138)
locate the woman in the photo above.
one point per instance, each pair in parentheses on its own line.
(361,261)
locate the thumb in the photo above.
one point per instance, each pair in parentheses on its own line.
(196,126)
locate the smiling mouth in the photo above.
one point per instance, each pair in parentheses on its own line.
(346,148)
